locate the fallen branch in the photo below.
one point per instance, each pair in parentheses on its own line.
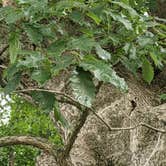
(37,142)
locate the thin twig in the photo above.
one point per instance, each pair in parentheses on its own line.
(73,102)
(47,90)
(154,150)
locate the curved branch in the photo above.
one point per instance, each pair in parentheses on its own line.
(68,99)
(37,142)
(75,132)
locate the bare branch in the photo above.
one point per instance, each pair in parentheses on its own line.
(75,132)
(47,90)
(72,101)
(37,142)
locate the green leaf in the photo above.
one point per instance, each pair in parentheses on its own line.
(128,8)
(62,62)
(131,64)
(143,41)
(46,100)
(11,70)
(103,54)
(34,33)
(147,71)
(82,43)
(122,19)
(12,83)
(59,116)
(163,96)
(41,75)
(57,47)
(77,17)
(103,72)
(31,61)
(83,87)
(11,14)
(155,59)
(94,17)
(14,46)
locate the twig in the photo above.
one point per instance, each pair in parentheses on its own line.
(154,150)
(47,90)
(72,101)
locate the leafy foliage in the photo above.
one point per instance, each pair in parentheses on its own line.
(73,29)
(25,119)
(87,38)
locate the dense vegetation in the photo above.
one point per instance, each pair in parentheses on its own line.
(42,38)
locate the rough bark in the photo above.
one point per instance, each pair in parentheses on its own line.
(161,12)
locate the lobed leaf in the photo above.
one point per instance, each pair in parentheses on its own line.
(83,87)
(103,72)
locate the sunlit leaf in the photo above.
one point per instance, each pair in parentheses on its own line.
(127,7)
(103,72)
(103,54)
(121,19)
(94,17)
(31,61)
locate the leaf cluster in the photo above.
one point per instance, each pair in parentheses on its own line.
(89,38)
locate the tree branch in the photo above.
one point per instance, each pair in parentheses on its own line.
(68,99)
(75,132)
(37,142)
